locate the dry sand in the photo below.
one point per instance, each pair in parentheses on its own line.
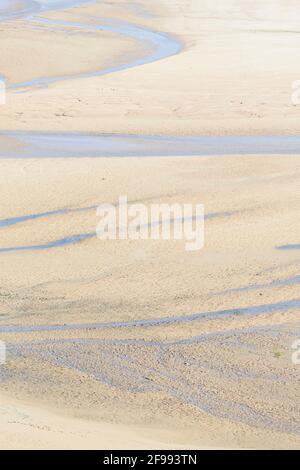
(225,377)
(33,428)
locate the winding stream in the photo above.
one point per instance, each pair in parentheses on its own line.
(158,45)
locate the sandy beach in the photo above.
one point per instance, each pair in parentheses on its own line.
(133,343)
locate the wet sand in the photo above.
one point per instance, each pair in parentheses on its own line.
(64,145)
(143,343)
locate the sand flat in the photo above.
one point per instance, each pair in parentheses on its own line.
(243,297)
(122,344)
